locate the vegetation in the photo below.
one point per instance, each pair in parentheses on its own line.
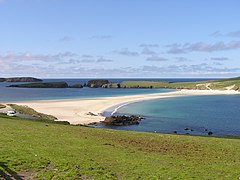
(42,85)
(31,149)
(20,79)
(47,85)
(2,106)
(29,111)
(76,86)
(232,83)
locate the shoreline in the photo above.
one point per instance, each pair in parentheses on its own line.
(85,111)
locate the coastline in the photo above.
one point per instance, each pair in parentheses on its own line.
(76,111)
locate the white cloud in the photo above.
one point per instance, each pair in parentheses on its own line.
(126,52)
(203,47)
(156,58)
(147,51)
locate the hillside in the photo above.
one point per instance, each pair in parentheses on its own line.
(224,84)
(52,151)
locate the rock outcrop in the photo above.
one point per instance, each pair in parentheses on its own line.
(97,83)
(121,120)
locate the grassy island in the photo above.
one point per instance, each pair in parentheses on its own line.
(38,150)
(46,85)
(223,84)
(20,79)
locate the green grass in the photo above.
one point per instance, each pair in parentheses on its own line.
(27,110)
(42,85)
(2,106)
(213,84)
(53,151)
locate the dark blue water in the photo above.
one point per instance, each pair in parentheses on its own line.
(22,94)
(217,113)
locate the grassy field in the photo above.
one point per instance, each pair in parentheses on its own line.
(53,151)
(203,85)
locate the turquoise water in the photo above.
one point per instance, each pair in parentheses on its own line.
(218,113)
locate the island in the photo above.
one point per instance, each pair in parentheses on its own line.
(46,85)
(221,84)
(20,79)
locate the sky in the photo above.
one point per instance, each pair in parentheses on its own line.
(120,39)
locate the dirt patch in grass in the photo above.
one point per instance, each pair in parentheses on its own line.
(165,146)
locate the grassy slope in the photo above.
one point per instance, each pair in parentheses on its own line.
(27,110)
(62,151)
(214,84)
(2,106)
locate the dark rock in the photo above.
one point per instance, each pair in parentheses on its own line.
(97,83)
(93,123)
(122,120)
(210,133)
(186,129)
(2,79)
(175,132)
(91,114)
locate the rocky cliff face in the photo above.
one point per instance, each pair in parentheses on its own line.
(20,79)
(97,83)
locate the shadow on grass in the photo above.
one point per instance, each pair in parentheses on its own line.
(7,173)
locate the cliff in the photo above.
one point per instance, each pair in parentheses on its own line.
(96,83)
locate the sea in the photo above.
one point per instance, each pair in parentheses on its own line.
(196,115)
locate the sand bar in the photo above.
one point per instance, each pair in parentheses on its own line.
(76,111)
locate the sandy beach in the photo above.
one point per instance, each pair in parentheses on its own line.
(76,111)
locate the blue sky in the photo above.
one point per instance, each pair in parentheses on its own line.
(109,38)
